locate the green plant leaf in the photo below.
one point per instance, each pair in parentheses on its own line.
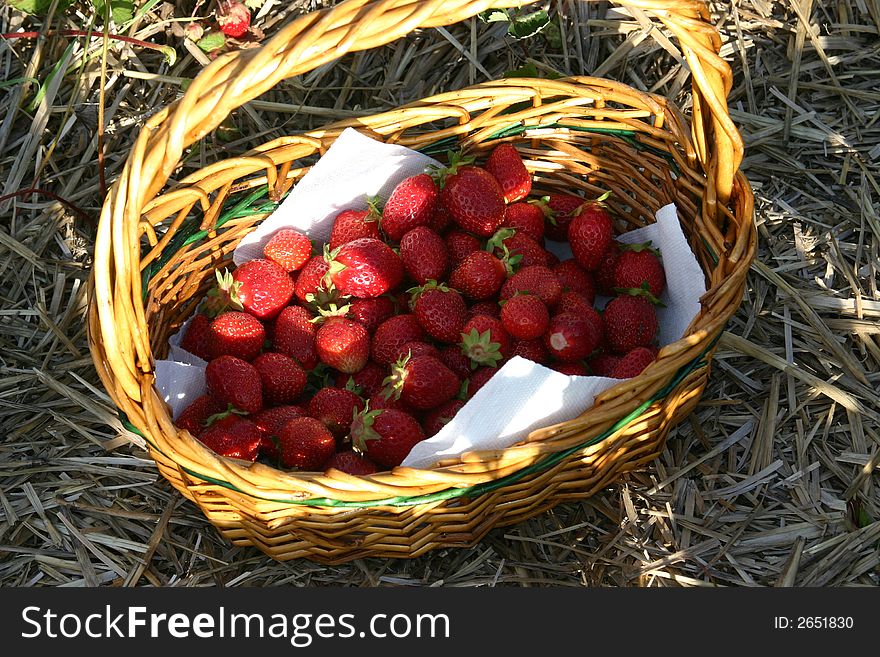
(494,15)
(122,11)
(529,70)
(522,27)
(553,36)
(38,7)
(211,41)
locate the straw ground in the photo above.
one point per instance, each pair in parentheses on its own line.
(773,479)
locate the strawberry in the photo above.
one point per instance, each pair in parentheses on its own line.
(233,18)
(422,382)
(424,256)
(574,303)
(233,437)
(260,287)
(194,418)
(335,408)
(235,381)
(364,268)
(379,401)
(603,364)
(269,421)
(439,417)
(305,443)
(604,273)
(413,349)
(507,167)
(351,463)
(638,266)
(525,317)
(525,218)
(343,344)
(576,368)
(590,234)
(411,204)
(533,350)
(371,312)
(537,280)
(479,276)
(633,363)
(485,341)
(440,311)
(365,382)
(441,219)
(575,278)
(552,259)
(350,225)
(195,340)
(573,337)
(479,378)
(289,249)
(630,322)
(488,307)
(559,210)
(282,378)
(235,333)
(453,357)
(392,334)
(294,336)
(472,195)
(460,245)
(313,280)
(386,436)
(515,250)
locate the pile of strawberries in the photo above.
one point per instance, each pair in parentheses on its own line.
(349,357)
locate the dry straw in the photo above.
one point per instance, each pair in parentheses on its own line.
(157,247)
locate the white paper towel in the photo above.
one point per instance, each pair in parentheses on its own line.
(523,395)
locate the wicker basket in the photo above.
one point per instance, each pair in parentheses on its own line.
(157,248)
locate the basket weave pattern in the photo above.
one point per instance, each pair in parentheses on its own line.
(156,253)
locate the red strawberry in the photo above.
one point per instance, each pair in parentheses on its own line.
(630,322)
(575,278)
(365,268)
(454,359)
(289,249)
(371,312)
(552,259)
(637,267)
(525,218)
(335,408)
(351,463)
(558,209)
(424,256)
(573,337)
(441,219)
(571,369)
(479,378)
(235,381)
(603,364)
(234,437)
(459,245)
(411,204)
(537,280)
(423,382)
(574,303)
(525,317)
(235,334)
(439,417)
(506,166)
(350,225)
(473,197)
(366,382)
(380,402)
(294,336)
(233,18)
(392,334)
(604,273)
(194,418)
(590,234)
(479,276)
(305,443)
(533,350)
(312,280)
(261,287)
(414,349)
(196,340)
(387,436)
(485,341)
(269,421)
(440,311)
(282,377)
(343,344)
(633,363)
(524,251)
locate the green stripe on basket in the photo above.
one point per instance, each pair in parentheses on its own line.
(471,491)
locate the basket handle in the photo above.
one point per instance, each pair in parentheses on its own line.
(310,41)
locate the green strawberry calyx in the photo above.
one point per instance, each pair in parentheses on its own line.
(641,246)
(496,245)
(543,204)
(642,291)
(417,291)
(216,417)
(480,348)
(224,295)
(456,160)
(374,208)
(393,383)
(362,428)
